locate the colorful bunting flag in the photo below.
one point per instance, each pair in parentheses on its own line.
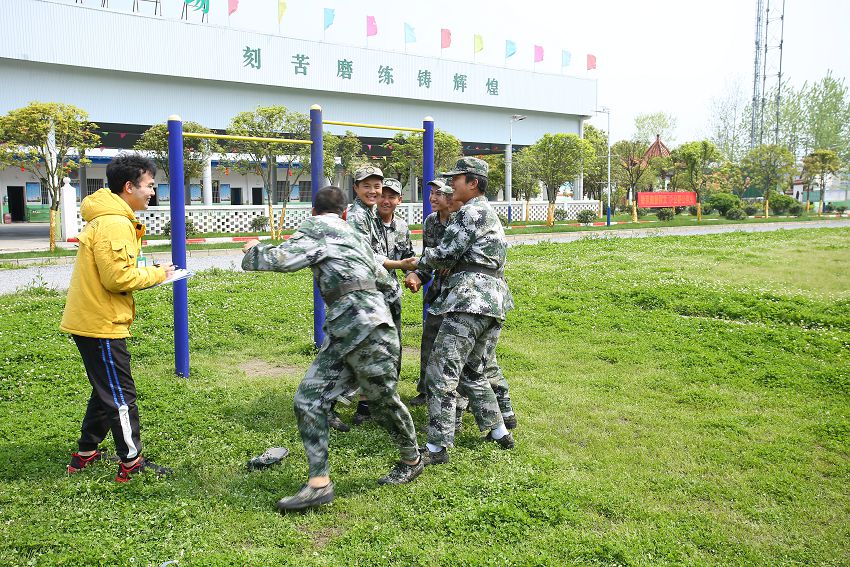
(538,54)
(329,17)
(510,48)
(281,10)
(566,57)
(371,26)
(591,61)
(409,34)
(232,6)
(445,38)
(479,43)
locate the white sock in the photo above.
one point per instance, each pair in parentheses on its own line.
(499,432)
(433,448)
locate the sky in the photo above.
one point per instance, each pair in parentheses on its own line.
(669,56)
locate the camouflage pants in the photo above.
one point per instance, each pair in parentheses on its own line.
(492,371)
(395,311)
(371,365)
(456,366)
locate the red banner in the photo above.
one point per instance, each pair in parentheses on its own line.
(662,199)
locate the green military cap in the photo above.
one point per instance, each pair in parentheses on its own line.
(365,171)
(394,184)
(442,186)
(469,165)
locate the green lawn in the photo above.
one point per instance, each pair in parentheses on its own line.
(681,400)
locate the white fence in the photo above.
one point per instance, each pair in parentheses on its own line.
(237,218)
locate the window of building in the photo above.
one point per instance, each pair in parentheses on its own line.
(216,192)
(93,185)
(45,195)
(305,191)
(280,191)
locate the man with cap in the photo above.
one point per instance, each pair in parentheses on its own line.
(473,302)
(363,217)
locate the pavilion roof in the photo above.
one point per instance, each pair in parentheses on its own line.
(657,149)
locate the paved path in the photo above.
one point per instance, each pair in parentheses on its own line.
(58,276)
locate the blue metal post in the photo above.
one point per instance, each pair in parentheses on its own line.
(178,245)
(317,175)
(427,175)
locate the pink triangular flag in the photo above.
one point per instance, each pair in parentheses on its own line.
(371,26)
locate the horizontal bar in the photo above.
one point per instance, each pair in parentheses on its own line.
(377,126)
(245,138)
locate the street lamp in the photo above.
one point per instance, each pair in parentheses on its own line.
(607,111)
(509,159)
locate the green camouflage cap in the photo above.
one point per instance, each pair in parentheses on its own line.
(393,184)
(442,186)
(365,171)
(469,165)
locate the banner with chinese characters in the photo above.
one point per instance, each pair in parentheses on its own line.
(664,199)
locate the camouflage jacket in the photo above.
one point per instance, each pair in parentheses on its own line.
(396,239)
(365,221)
(337,255)
(475,238)
(432,234)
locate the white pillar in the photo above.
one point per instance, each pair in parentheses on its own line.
(68,210)
(206,181)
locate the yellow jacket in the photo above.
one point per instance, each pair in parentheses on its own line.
(100,296)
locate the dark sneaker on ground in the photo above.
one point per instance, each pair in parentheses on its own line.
(142,466)
(510,421)
(271,456)
(78,462)
(506,442)
(402,473)
(418,400)
(306,497)
(362,414)
(429,458)
(337,423)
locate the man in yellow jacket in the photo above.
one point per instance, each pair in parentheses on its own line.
(100,309)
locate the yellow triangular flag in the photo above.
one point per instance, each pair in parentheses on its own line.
(479,43)
(281,9)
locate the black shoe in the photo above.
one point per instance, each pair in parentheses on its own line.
(78,462)
(270,457)
(306,497)
(142,465)
(506,442)
(418,400)
(362,414)
(510,421)
(429,458)
(402,473)
(337,423)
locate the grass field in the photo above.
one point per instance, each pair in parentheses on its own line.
(681,400)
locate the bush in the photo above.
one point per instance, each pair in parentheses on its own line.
(692,210)
(680,210)
(665,214)
(723,202)
(842,209)
(828,208)
(586,216)
(751,210)
(190,228)
(560,214)
(795,210)
(260,223)
(504,219)
(779,204)
(735,213)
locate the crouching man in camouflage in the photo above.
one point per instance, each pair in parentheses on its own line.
(361,345)
(473,302)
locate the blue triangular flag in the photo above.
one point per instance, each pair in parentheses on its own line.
(510,48)
(329,17)
(409,34)
(565,58)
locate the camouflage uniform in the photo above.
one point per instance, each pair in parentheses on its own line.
(361,345)
(473,301)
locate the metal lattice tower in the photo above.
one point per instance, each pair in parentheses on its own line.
(767,67)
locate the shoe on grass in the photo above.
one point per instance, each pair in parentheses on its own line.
(402,473)
(506,442)
(418,400)
(141,466)
(79,462)
(336,422)
(429,458)
(510,421)
(306,497)
(362,414)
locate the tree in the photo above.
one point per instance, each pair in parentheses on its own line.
(405,153)
(349,150)
(596,175)
(817,166)
(558,159)
(523,180)
(49,140)
(196,151)
(647,126)
(728,122)
(827,108)
(698,158)
(627,164)
(768,166)
(496,177)
(260,157)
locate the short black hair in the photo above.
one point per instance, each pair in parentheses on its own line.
(482,181)
(127,167)
(329,199)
